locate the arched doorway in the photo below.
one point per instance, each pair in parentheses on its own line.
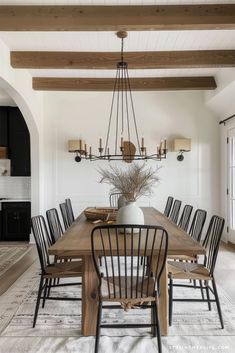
(36,184)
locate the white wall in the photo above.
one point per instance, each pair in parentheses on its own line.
(222,102)
(18,86)
(69,115)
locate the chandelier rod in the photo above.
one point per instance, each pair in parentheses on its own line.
(133,110)
(110,115)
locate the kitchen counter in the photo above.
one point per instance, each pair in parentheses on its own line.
(14,200)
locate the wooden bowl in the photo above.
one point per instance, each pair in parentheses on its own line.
(102,213)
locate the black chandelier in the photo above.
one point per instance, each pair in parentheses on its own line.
(126,145)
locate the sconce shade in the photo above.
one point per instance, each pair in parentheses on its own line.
(182,145)
(73,145)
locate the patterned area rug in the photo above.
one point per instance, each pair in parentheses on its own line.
(10,254)
(58,328)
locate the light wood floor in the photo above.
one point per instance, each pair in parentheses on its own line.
(225,269)
(16,270)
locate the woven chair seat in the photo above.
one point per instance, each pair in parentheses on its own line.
(187,270)
(182,257)
(64,269)
(129,291)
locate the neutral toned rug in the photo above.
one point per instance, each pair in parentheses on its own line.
(58,328)
(10,254)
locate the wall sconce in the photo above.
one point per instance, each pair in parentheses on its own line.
(181,146)
(78,147)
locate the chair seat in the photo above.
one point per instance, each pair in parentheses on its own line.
(64,269)
(187,270)
(128,296)
(182,257)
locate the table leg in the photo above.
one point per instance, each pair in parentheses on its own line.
(163,303)
(89,297)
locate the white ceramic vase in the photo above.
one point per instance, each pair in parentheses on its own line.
(130,214)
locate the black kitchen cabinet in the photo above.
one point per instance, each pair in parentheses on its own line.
(15,221)
(3,126)
(19,143)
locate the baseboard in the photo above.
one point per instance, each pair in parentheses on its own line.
(16,270)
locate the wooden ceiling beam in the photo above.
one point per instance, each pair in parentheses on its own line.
(136,60)
(137,84)
(113,18)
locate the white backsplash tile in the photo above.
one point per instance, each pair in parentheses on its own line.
(5,167)
(15,187)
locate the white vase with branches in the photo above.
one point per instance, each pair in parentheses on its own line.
(133,182)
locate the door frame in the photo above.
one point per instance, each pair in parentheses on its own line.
(225,209)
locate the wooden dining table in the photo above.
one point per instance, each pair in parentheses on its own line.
(76,242)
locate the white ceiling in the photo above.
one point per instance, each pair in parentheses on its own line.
(107,41)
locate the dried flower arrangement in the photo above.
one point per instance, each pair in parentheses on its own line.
(133,182)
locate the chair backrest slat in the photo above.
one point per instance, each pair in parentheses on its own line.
(212,241)
(185,217)
(197,224)
(42,239)
(70,213)
(64,214)
(55,227)
(174,214)
(169,203)
(122,247)
(113,199)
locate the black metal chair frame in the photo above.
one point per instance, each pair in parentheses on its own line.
(42,237)
(168,206)
(197,224)
(55,227)
(185,217)
(64,214)
(116,277)
(211,243)
(69,209)
(174,214)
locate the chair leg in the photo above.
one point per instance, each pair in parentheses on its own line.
(208,296)
(38,301)
(170,301)
(201,286)
(153,319)
(45,293)
(159,340)
(49,287)
(217,303)
(97,339)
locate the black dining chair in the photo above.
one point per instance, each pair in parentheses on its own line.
(168,206)
(113,199)
(174,214)
(203,272)
(185,217)
(69,209)
(195,232)
(54,224)
(64,214)
(197,224)
(51,272)
(122,278)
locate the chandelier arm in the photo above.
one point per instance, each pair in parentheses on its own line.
(133,110)
(111,113)
(117,114)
